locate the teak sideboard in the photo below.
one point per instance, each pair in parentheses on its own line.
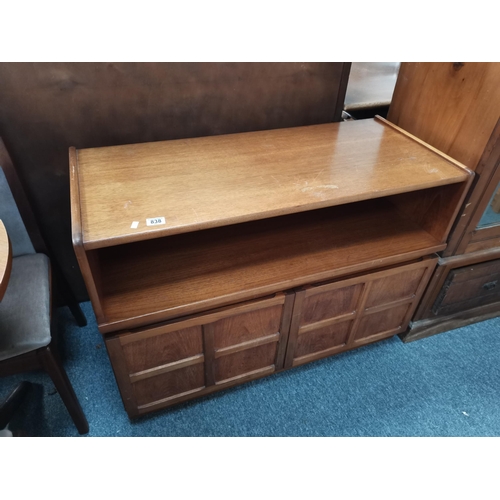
(217,260)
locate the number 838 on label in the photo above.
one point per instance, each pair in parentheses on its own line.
(155,221)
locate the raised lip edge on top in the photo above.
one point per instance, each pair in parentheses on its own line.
(77,223)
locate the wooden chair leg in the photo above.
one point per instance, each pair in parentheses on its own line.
(54,368)
(68,294)
(80,318)
(12,403)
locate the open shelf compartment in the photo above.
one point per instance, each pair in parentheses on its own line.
(192,272)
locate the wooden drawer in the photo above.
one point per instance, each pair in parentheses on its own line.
(338,316)
(165,364)
(468,287)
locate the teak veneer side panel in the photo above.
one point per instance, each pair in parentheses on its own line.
(453,106)
(435,209)
(159,279)
(216,181)
(90,275)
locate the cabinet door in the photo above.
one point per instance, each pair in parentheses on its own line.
(248,344)
(338,316)
(166,364)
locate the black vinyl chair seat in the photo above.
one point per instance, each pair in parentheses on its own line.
(25,308)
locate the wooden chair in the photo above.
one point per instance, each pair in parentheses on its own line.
(26,339)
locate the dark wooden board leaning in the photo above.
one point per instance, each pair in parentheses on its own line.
(47,107)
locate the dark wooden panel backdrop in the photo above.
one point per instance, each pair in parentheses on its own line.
(47,107)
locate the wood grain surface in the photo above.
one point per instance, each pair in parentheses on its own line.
(170,384)
(159,279)
(5,259)
(366,309)
(163,349)
(446,266)
(246,361)
(469,287)
(242,328)
(171,362)
(208,182)
(200,319)
(452,106)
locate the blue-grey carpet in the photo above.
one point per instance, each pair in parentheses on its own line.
(446,385)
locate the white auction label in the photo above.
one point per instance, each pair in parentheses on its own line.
(155,221)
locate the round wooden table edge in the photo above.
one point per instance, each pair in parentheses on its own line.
(5,259)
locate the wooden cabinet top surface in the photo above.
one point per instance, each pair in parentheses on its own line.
(215,181)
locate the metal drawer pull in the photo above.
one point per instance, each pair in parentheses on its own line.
(490,285)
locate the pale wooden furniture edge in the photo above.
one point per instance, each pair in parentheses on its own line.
(76,228)
(5,259)
(166,368)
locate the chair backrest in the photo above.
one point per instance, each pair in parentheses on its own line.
(10,216)
(15,206)
(24,233)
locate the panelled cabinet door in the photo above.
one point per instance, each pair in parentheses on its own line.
(166,364)
(338,316)
(247,344)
